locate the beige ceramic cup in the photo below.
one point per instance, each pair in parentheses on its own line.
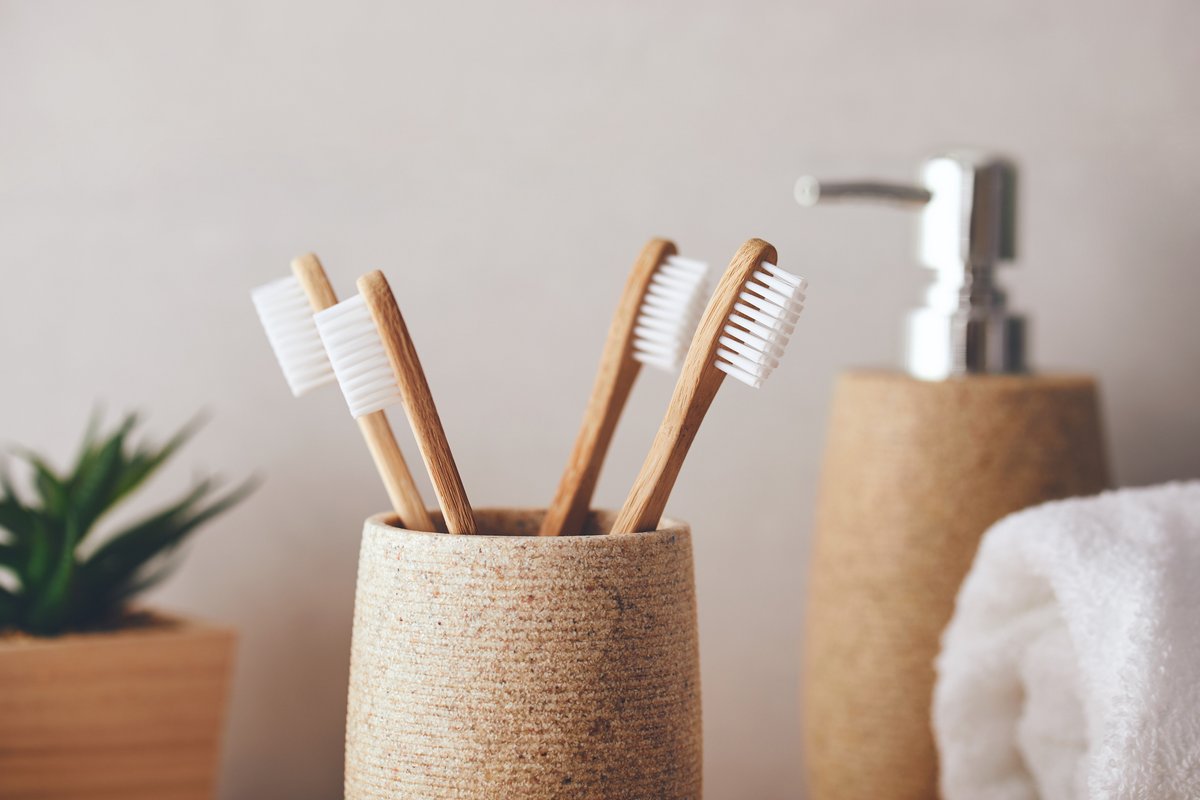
(507,665)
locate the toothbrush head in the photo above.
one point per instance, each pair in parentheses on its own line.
(287,317)
(670,311)
(760,323)
(357,354)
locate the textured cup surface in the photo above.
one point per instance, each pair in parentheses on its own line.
(511,665)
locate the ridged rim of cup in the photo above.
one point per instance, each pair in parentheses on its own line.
(383,520)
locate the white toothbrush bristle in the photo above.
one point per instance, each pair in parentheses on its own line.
(761,324)
(359,360)
(287,318)
(670,312)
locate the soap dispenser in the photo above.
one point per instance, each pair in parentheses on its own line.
(918,464)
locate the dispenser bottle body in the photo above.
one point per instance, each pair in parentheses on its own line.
(914,473)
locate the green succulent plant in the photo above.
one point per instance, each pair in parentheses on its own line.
(56,580)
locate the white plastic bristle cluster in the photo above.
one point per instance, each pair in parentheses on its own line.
(670,312)
(287,318)
(762,321)
(359,360)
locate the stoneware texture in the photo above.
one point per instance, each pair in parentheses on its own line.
(914,473)
(511,665)
(135,714)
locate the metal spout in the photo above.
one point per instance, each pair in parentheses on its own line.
(967,227)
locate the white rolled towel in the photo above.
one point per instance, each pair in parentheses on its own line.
(1071,667)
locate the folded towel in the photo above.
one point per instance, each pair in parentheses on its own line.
(1071,668)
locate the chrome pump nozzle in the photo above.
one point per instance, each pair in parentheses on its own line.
(968,226)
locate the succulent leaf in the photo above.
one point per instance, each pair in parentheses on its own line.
(58,588)
(147,460)
(10,557)
(94,490)
(10,608)
(15,519)
(50,489)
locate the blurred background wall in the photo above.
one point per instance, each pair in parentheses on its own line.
(503,163)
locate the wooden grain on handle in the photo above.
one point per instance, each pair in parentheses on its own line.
(315,283)
(694,392)
(389,461)
(418,403)
(381,442)
(614,381)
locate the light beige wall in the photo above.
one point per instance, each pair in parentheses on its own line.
(503,163)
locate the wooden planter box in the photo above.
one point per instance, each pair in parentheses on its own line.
(135,713)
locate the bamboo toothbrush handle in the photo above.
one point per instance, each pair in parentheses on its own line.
(389,461)
(614,381)
(308,270)
(381,442)
(648,498)
(694,392)
(418,403)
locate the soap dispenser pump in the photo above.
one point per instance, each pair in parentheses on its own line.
(967,205)
(918,464)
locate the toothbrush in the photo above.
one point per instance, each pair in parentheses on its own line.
(655,320)
(744,331)
(286,307)
(377,366)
